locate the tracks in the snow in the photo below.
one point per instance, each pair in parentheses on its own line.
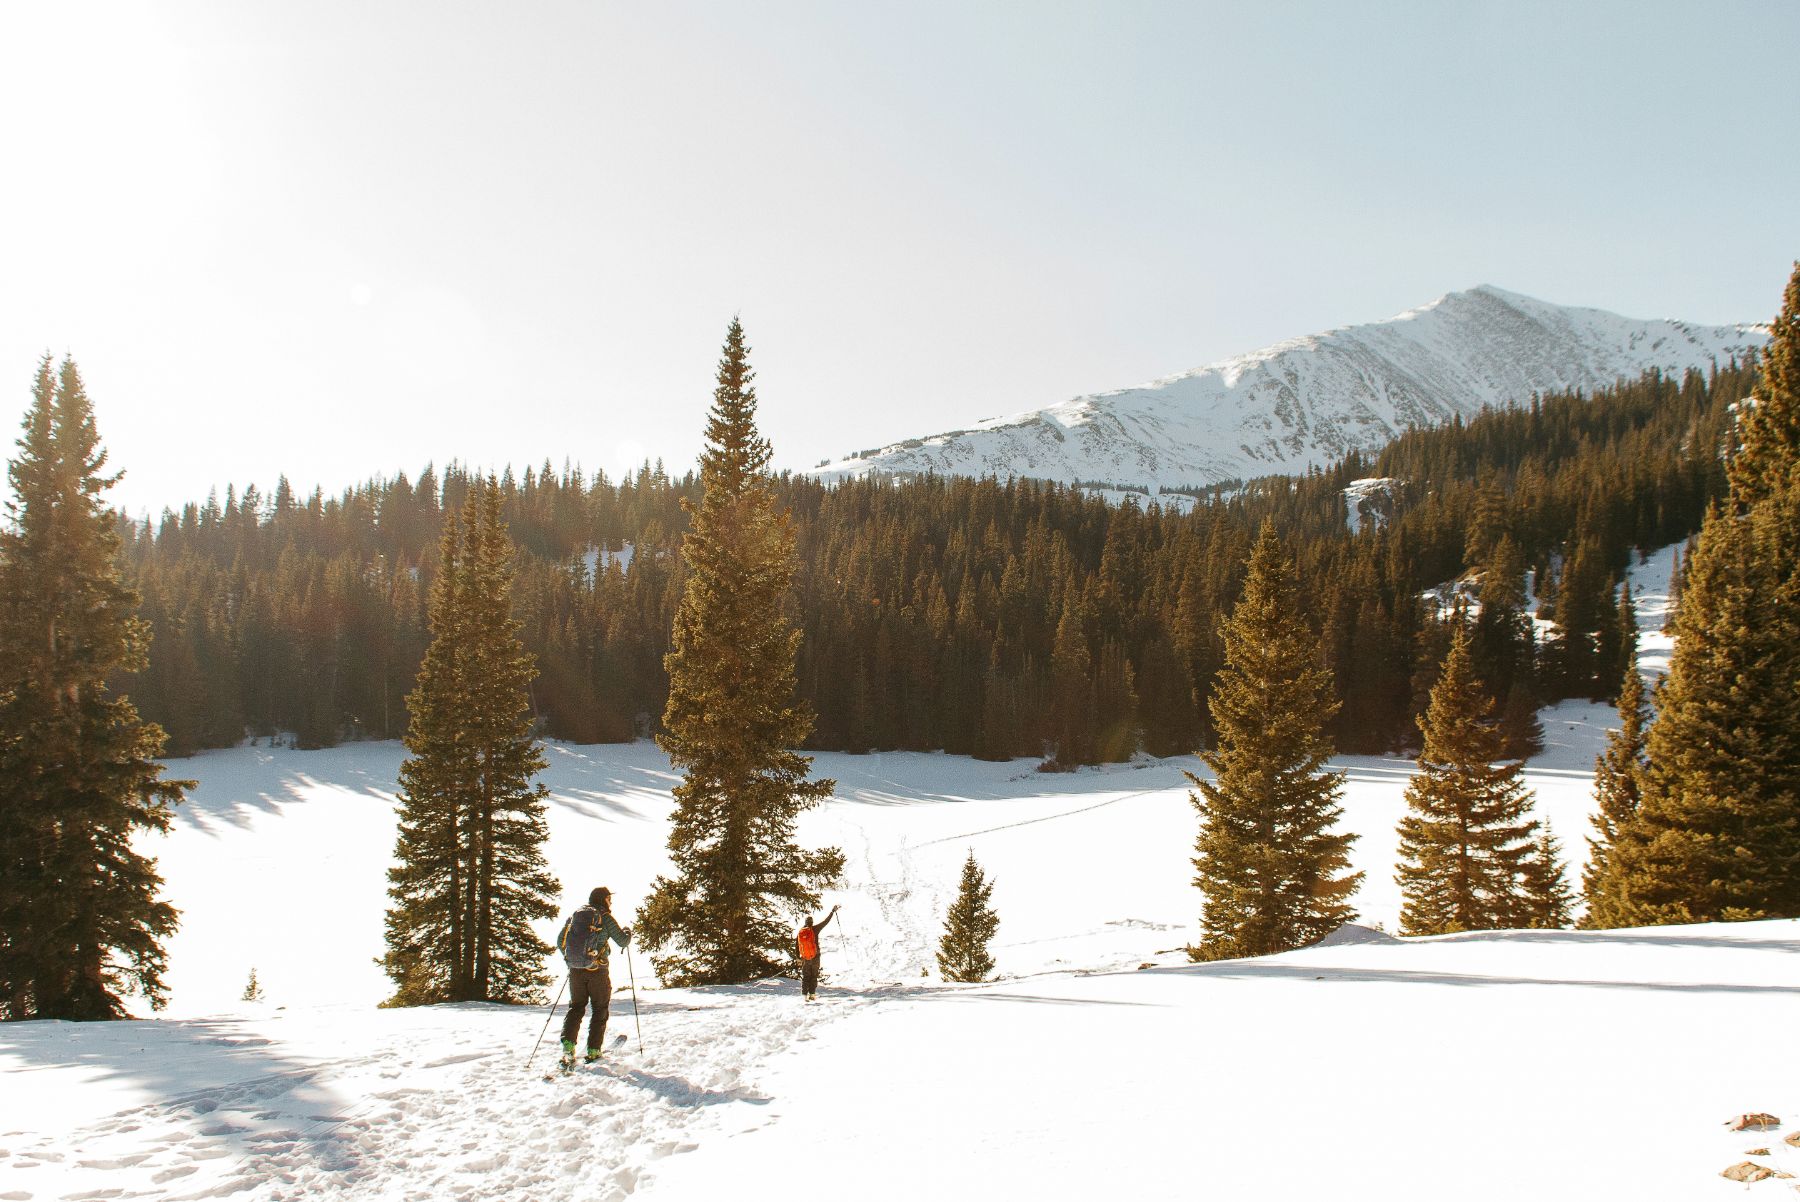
(1087,809)
(444,1110)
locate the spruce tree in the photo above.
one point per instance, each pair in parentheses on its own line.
(1769,439)
(1522,733)
(1618,786)
(81,922)
(1503,648)
(1273,867)
(1625,651)
(513,885)
(1072,672)
(1546,900)
(1584,605)
(969,928)
(732,721)
(426,941)
(471,876)
(1716,835)
(1468,833)
(1115,705)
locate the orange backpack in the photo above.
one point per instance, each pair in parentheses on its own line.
(809,944)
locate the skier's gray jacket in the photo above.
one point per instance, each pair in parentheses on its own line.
(584,936)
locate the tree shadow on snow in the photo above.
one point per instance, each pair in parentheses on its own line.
(605,806)
(1398,976)
(1001,994)
(242,1102)
(680,1092)
(983,992)
(604,788)
(1638,937)
(1004,781)
(278,781)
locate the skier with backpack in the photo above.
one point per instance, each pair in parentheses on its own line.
(583,944)
(808,943)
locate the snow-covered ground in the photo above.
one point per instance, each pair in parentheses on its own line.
(1547,1064)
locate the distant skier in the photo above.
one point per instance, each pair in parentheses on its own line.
(808,943)
(583,947)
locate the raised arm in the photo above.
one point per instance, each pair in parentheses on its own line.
(613,931)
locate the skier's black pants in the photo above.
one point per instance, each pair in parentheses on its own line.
(588,987)
(809,977)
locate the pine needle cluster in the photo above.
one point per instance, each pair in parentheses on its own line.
(471,876)
(81,921)
(731,721)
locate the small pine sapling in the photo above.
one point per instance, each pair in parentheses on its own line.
(253,990)
(969,928)
(1548,900)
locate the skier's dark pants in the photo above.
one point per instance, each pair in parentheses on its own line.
(588,986)
(809,976)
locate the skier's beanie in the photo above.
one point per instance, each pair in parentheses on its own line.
(599,896)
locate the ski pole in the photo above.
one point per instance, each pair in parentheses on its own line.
(636,1021)
(547,1018)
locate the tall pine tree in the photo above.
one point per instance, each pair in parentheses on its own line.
(963,952)
(81,922)
(1618,787)
(731,721)
(1072,670)
(1468,833)
(1273,868)
(1716,835)
(471,876)
(1769,442)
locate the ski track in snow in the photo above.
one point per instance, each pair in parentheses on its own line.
(1098,805)
(449,1111)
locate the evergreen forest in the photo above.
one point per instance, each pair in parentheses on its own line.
(996,619)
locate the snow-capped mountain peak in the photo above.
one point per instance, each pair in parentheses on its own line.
(1307,401)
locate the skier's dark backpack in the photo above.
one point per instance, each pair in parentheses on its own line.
(581,957)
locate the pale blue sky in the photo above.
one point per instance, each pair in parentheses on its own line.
(335,239)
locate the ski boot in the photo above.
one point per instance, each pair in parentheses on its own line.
(567,1063)
(592,1057)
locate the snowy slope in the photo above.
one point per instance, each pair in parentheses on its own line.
(1491,1066)
(1503,1066)
(1308,401)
